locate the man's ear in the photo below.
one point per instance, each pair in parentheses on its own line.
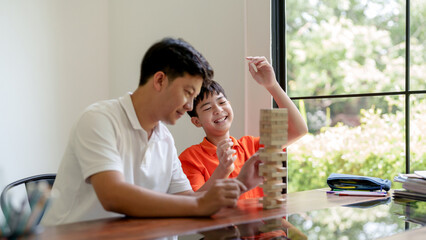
(196,121)
(160,80)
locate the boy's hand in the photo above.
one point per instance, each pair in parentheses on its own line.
(224,154)
(223,193)
(249,174)
(262,71)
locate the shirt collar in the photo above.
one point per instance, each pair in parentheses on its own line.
(129,109)
(127,104)
(210,148)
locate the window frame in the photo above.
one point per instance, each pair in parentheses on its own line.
(279,63)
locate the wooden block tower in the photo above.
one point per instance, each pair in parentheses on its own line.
(273,135)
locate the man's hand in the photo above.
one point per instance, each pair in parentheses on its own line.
(249,174)
(223,193)
(224,154)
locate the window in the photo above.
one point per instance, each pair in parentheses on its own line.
(358,75)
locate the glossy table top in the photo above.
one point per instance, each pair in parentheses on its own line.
(303,213)
(375,219)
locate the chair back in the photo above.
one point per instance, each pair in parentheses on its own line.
(49,178)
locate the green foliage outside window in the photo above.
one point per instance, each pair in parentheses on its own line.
(347,47)
(352,46)
(375,148)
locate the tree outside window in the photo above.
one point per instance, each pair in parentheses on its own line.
(346,69)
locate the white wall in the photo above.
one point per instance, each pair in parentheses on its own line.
(53,62)
(218,29)
(57,57)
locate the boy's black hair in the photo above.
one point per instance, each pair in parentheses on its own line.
(206,90)
(174,57)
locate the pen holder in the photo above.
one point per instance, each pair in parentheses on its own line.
(355,182)
(25,218)
(19,223)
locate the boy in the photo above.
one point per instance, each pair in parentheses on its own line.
(220,155)
(121,159)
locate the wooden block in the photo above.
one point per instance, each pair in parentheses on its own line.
(272,112)
(269,140)
(267,201)
(272,132)
(270,149)
(274,121)
(272,194)
(273,109)
(267,187)
(266,119)
(273,181)
(265,132)
(270,204)
(276,195)
(273,164)
(274,156)
(265,169)
(271,188)
(277,123)
(273,126)
(279,117)
(276,143)
(270,164)
(273,168)
(273,174)
(273,201)
(273,137)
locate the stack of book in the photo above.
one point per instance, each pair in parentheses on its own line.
(25,218)
(414,186)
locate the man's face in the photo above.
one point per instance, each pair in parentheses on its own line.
(179,97)
(215,115)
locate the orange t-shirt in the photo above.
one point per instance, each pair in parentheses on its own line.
(199,162)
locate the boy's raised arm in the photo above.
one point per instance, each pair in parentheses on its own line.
(265,76)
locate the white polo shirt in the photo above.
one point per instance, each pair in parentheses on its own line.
(108,136)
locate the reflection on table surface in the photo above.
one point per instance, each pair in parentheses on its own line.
(368,220)
(274,228)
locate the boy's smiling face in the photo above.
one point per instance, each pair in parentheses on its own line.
(215,115)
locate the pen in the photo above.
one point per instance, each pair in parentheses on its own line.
(334,191)
(369,194)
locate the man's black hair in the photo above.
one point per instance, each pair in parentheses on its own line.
(174,57)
